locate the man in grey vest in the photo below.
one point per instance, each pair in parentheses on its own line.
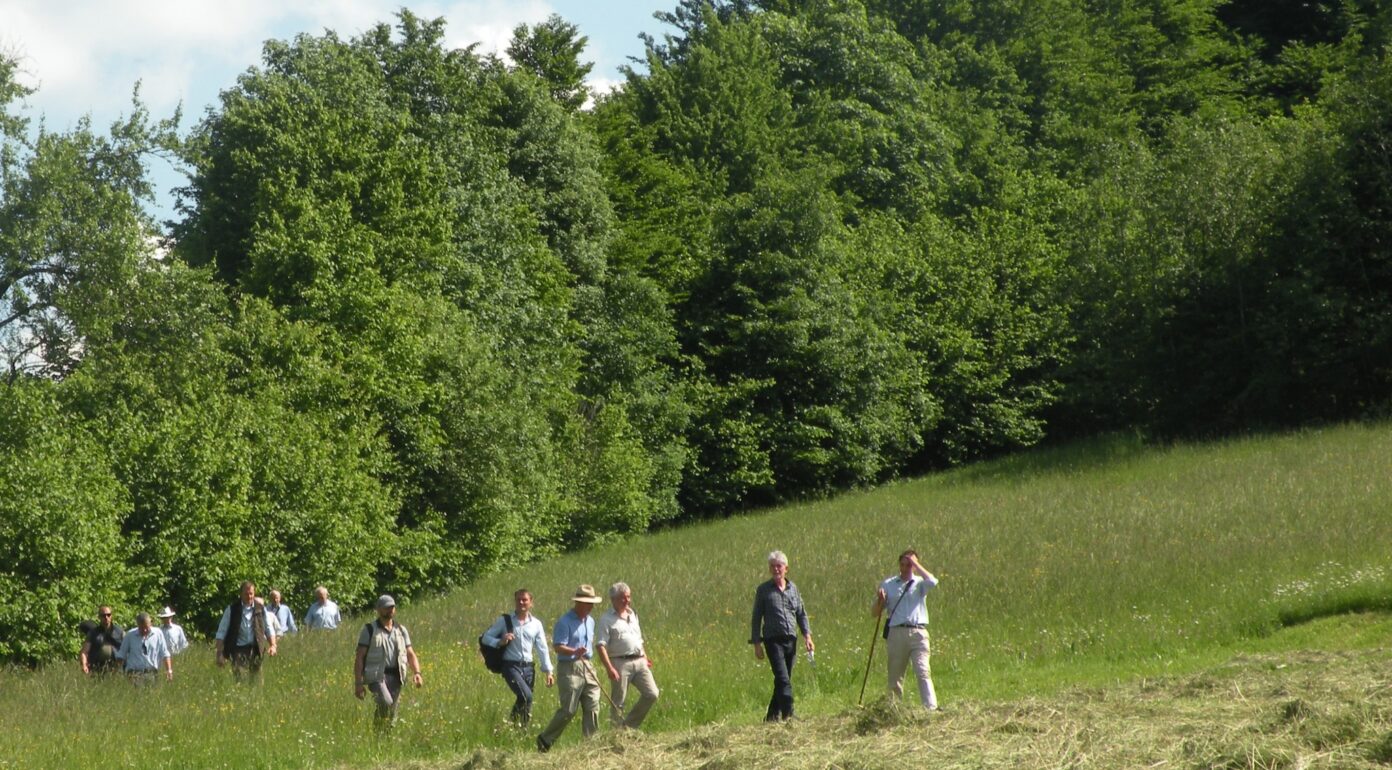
(384,654)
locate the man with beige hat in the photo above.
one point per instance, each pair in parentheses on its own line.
(174,634)
(573,639)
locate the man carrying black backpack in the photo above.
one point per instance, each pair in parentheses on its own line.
(518,636)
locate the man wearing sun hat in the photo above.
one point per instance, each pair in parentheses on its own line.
(173,632)
(573,639)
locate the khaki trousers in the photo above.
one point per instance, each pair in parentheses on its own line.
(910,645)
(636,672)
(576,690)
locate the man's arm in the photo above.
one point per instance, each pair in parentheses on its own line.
(879,605)
(414,663)
(82,656)
(290,626)
(221,634)
(923,573)
(359,688)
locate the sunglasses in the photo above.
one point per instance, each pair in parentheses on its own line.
(105,614)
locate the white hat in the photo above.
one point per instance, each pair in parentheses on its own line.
(166,613)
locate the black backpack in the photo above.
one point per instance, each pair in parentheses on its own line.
(493,656)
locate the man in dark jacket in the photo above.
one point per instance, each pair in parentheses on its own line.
(102,641)
(242,635)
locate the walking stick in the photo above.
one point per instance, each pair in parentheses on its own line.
(861,700)
(591,674)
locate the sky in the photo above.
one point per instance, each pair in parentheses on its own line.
(85,56)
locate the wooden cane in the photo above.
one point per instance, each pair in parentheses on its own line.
(861,700)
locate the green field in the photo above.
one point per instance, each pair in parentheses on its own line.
(1086,565)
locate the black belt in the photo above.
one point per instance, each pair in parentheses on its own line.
(911,625)
(628,657)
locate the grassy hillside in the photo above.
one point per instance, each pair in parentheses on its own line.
(1088,564)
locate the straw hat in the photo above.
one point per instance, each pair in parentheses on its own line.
(586,593)
(166,613)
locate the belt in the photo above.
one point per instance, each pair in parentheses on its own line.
(628,657)
(911,625)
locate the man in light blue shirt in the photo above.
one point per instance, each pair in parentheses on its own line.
(527,636)
(282,614)
(907,627)
(173,633)
(573,638)
(144,652)
(323,613)
(243,636)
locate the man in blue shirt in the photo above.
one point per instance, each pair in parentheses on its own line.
(145,652)
(282,613)
(527,635)
(907,626)
(323,613)
(573,638)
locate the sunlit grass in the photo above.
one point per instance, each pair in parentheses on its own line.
(1098,555)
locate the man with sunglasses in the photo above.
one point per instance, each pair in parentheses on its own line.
(145,652)
(99,651)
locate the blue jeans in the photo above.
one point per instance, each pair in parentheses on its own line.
(521,679)
(782,654)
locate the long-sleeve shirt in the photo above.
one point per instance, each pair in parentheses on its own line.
(527,638)
(245,632)
(283,614)
(571,631)
(174,637)
(777,613)
(143,653)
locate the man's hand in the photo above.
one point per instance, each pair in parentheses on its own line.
(169,676)
(809,645)
(881,596)
(649,662)
(359,691)
(507,639)
(758,651)
(613,673)
(579,652)
(550,679)
(220,659)
(271,650)
(417,679)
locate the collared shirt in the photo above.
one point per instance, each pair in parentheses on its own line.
(619,636)
(571,631)
(323,615)
(777,613)
(527,637)
(283,614)
(365,640)
(143,653)
(174,637)
(245,634)
(911,610)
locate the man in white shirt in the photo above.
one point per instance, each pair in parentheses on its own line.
(907,626)
(619,640)
(285,619)
(144,652)
(527,636)
(173,633)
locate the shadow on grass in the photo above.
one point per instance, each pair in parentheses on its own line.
(1066,459)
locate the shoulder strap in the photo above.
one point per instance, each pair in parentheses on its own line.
(902,593)
(508,620)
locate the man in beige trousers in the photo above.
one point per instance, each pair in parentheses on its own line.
(619,640)
(907,626)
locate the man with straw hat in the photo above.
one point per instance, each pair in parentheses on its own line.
(573,638)
(173,632)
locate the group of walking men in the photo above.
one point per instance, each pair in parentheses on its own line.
(249,629)
(616,640)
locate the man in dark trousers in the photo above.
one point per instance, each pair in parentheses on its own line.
(243,634)
(98,653)
(521,643)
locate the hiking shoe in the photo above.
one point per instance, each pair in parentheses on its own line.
(542,745)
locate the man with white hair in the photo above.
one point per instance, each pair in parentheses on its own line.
(323,613)
(285,619)
(620,643)
(778,615)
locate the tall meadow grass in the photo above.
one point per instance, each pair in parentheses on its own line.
(1105,551)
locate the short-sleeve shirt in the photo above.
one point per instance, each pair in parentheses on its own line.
(571,631)
(365,640)
(911,610)
(143,653)
(620,637)
(174,636)
(102,644)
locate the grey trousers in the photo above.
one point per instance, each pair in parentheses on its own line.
(576,690)
(633,671)
(387,693)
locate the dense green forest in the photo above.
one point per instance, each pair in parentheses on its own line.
(425,313)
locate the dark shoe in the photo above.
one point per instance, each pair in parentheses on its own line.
(542,745)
